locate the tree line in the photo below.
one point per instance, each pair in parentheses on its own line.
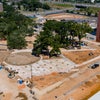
(32,5)
(87,11)
(82,1)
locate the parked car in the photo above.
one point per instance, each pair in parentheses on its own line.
(94,66)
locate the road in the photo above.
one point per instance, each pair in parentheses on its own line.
(87,5)
(75,3)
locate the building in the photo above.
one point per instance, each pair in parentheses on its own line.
(1,7)
(98,29)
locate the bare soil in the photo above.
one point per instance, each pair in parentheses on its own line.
(64,16)
(47,80)
(4,55)
(81,56)
(85,91)
(22,58)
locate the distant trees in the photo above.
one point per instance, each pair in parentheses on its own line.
(59,34)
(46,6)
(32,5)
(88,11)
(82,1)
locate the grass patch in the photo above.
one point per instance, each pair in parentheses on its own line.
(64,5)
(60,6)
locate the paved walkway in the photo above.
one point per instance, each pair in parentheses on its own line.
(95,43)
(42,67)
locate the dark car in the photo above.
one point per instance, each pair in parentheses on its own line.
(94,66)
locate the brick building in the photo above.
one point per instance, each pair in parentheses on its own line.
(98,29)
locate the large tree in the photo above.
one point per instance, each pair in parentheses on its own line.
(59,34)
(82,29)
(55,45)
(12,22)
(16,41)
(42,43)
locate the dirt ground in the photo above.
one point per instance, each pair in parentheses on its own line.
(64,16)
(4,55)
(82,92)
(22,58)
(81,56)
(30,40)
(47,80)
(86,90)
(9,88)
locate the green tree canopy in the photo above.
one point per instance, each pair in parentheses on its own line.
(16,41)
(59,34)
(12,22)
(33,5)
